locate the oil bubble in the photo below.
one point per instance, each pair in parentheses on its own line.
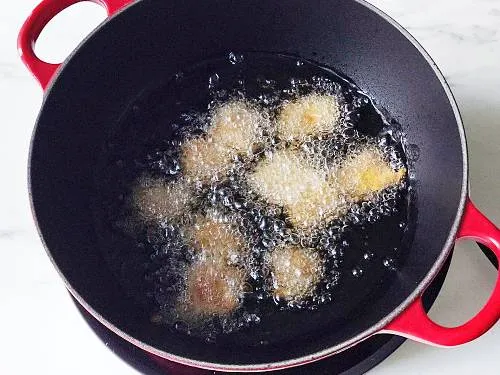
(235,58)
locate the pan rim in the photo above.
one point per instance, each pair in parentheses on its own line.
(374,329)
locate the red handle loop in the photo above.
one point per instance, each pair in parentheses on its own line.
(34,25)
(414,323)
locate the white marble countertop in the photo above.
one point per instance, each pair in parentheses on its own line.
(40,328)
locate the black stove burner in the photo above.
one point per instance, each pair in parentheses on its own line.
(355,361)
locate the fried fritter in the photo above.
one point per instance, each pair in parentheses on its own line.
(286,179)
(212,288)
(216,239)
(308,115)
(155,199)
(237,126)
(295,272)
(366,172)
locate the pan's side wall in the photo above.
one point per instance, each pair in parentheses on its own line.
(154,39)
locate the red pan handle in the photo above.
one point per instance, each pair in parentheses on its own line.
(414,323)
(34,25)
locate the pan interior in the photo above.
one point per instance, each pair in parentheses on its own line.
(119,62)
(362,250)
